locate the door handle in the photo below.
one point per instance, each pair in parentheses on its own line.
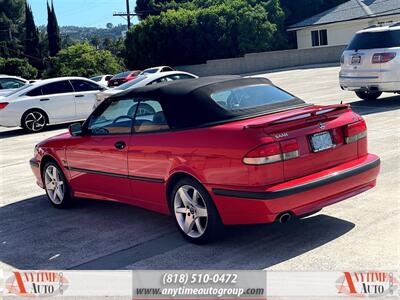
(79,96)
(120,145)
(44,99)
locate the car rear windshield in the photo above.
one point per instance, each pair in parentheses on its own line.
(150,71)
(251,96)
(375,40)
(122,75)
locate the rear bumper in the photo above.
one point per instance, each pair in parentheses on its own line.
(384,81)
(299,196)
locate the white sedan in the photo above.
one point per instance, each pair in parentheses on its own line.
(49,101)
(143,80)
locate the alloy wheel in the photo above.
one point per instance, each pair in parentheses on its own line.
(190,211)
(54,184)
(35,121)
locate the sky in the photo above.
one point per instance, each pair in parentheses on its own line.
(89,13)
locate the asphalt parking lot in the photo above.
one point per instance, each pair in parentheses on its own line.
(362,233)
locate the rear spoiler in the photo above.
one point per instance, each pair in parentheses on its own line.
(301,115)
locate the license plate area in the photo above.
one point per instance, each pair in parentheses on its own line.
(321,141)
(356,59)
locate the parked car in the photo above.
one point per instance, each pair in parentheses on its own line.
(159,69)
(49,101)
(143,80)
(211,151)
(123,77)
(102,79)
(370,64)
(9,83)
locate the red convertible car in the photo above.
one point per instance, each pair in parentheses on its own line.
(211,151)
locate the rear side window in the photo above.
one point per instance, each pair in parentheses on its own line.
(251,96)
(59,87)
(374,40)
(84,86)
(35,92)
(150,117)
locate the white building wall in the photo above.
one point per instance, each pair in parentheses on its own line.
(339,33)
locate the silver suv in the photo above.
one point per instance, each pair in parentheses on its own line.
(370,64)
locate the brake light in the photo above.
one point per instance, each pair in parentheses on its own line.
(273,152)
(3,104)
(355,131)
(384,57)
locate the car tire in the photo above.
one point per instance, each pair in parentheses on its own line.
(368,95)
(34,121)
(195,213)
(56,186)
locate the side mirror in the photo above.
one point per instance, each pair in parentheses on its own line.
(75,129)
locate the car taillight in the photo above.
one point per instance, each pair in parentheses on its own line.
(384,57)
(355,131)
(271,153)
(3,104)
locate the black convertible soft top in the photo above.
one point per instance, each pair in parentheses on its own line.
(188,103)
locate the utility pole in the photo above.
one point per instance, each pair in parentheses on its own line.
(128,13)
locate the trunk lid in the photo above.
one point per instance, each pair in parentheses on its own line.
(319,134)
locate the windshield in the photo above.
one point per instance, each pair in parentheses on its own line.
(251,96)
(18,90)
(121,75)
(374,40)
(130,83)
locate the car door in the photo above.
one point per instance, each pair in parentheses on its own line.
(97,159)
(148,162)
(56,99)
(85,96)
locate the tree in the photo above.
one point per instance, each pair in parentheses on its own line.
(110,25)
(32,46)
(18,67)
(11,27)
(83,60)
(215,29)
(53,31)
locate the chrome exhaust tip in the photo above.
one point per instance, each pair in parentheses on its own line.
(284,218)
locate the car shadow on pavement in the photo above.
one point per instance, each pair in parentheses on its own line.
(14,132)
(382,104)
(106,235)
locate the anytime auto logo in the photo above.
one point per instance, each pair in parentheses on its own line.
(36,283)
(370,283)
